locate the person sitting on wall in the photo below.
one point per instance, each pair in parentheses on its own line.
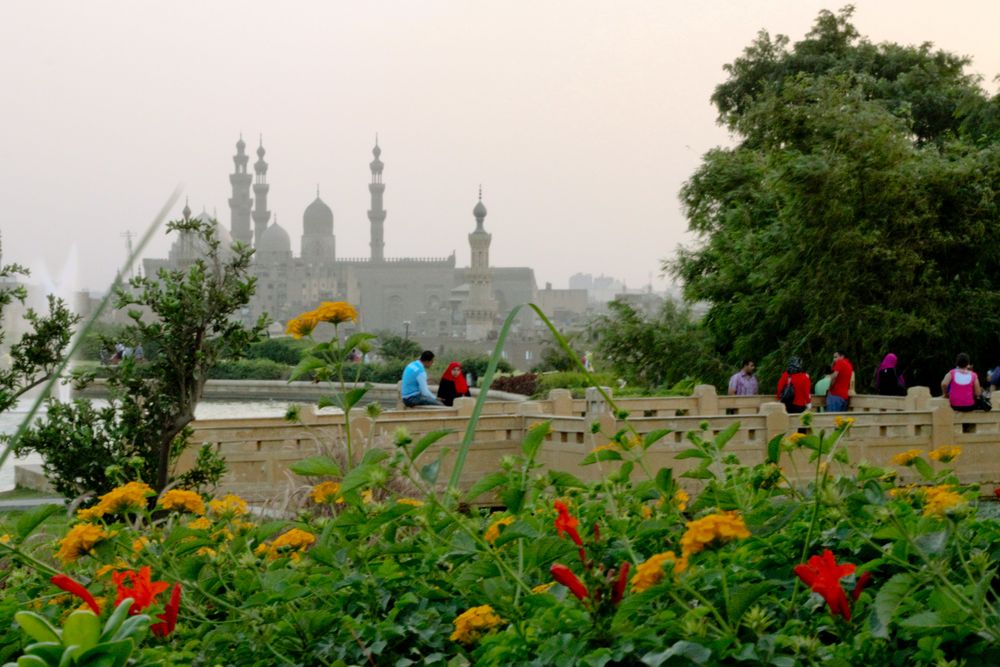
(961,385)
(414,389)
(452,384)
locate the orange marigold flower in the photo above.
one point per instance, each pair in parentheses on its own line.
(229,505)
(650,573)
(302,325)
(327,492)
(493,532)
(182,500)
(201,523)
(335,312)
(945,454)
(907,458)
(80,540)
(939,499)
(473,623)
(714,528)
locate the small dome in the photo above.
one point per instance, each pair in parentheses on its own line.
(317,219)
(479,211)
(376,151)
(240,145)
(221,233)
(261,151)
(274,240)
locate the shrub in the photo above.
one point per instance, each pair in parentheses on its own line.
(287,351)
(477,366)
(250,369)
(523,383)
(573,381)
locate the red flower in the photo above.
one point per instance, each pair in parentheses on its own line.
(565,576)
(996,492)
(860,584)
(822,574)
(77,589)
(143,591)
(169,615)
(567,523)
(619,587)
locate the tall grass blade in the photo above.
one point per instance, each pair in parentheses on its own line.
(80,334)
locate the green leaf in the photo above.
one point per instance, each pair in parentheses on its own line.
(316,466)
(623,474)
(306,367)
(31,520)
(696,653)
(326,402)
(430,471)
(484,484)
(118,653)
(374,456)
(923,619)
(743,598)
(701,472)
(114,621)
(601,455)
(726,435)
(654,437)
(31,661)
(360,476)
(352,397)
(429,439)
(924,469)
(50,652)
(513,499)
(134,626)
(932,544)
(519,530)
(564,480)
(37,627)
(692,453)
(665,481)
(534,439)
(81,629)
(891,596)
(774,449)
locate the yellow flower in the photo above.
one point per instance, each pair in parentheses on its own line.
(907,458)
(650,573)
(243,525)
(90,513)
(646,511)
(843,421)
(326,492)
(139,544)
(302,325)
(201,523)
(182,501)
(795,437)
(493,532)
(410,501)
(543,588)
(367,496)
(609,447)
(335,312)
(80,540)
(105,569)
(205,551)
(681,499)
(714,528)
(945,454)
(474,623)
(5,538)
(228,505)
(294,540)
(128,497)
(939,499)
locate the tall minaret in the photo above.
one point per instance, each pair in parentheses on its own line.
(261,216)
(376,214)
(481,308)
(240,202)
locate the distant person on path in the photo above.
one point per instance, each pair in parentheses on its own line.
(840,383)
(961,385)
(888,380)
(800,398)
(414,389)
(453,384)
(744,383)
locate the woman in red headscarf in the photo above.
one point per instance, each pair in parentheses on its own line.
(453,384)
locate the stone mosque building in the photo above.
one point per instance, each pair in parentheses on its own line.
(425,296)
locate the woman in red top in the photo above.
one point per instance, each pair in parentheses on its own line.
(799,380)
(453,384)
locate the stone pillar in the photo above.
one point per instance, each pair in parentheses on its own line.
(529,408)
(596,405)
(917,398)
(942,423)
(562,401)
(777,418)
(465,405)
(307,414)
(708,400)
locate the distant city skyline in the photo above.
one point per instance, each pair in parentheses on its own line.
(581,121)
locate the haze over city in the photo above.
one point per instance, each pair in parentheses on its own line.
(581,120)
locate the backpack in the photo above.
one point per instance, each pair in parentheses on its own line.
(788,393)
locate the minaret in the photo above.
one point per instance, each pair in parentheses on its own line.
(481,308)
(261,216)
(240,202)
(376,214)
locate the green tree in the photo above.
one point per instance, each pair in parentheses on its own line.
(393,347)
(658,351)
(191,314)
(859,209)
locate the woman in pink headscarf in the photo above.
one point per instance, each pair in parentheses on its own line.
(888,381)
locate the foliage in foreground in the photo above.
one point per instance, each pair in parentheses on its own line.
(848,569)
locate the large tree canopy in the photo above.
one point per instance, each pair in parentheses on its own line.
(859,209)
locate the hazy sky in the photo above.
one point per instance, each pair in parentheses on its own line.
(581,119)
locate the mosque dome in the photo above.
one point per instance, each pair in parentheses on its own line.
(274,240)
(479,211)
(189,246)
(317,219)
(221,233)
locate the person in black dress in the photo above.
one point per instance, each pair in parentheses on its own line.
(453,384)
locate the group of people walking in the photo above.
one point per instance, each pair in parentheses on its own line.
(960,385)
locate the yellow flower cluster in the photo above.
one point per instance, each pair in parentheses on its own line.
(843,421)
(334,312)
(80,540)
(907,458)
(293,541)
(131,496)
(681,499)
(228,505)
(493,532)
(182,500)
(650,573)
(201,523)
(410,501)
(5,538)
(714,528)
(139,543)
(945,454)
(795,437)
(474,623)
(939,499)
(326,492)
(206,551)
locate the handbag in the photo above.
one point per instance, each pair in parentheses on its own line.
(788,393)
(984,401)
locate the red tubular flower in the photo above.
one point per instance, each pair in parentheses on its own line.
(822,574)
(567,523)
(77,589)
(860,584)
(169,615)
(597,533)
(619,587)
(565,576)
(143,591)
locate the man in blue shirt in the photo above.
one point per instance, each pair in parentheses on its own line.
(414,389)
